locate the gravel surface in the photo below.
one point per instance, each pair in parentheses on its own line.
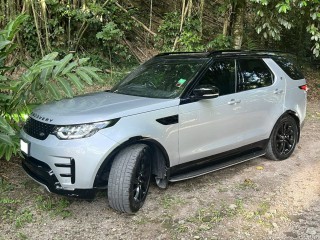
(259,199)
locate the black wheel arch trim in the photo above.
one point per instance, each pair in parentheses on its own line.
(295,117)
(99,181)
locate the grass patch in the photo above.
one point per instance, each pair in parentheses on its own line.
(5,186)
(55,205)
(24,217)
(261,215)
(12,215)
(22,236)
(170,201)
(247,184)
(213,214)
(7,200)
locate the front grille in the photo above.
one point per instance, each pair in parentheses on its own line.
(38,130)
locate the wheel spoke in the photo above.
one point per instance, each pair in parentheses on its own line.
(141,181)
(136,192)
(284,128)
(290,140)
(282,148)
(288,146)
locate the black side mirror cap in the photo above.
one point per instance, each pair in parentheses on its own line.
(206,92)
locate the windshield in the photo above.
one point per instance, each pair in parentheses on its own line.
(160,78)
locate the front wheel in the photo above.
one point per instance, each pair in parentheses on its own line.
(283,139)
(129,178)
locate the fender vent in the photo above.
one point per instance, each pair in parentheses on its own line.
(169,120)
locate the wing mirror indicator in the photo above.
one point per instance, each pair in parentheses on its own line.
(206,92)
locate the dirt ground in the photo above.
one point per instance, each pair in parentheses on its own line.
(259,199)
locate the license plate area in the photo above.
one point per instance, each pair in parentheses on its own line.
(24,146)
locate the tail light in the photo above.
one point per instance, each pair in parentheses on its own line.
(304,87)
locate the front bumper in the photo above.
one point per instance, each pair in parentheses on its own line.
(43,174)
(66,166)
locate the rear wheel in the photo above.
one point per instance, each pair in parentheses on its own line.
(129,178)
(283,139)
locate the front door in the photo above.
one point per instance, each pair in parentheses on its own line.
(207,126)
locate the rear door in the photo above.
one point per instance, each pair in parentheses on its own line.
(261,91)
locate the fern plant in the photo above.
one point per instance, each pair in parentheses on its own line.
(47,79)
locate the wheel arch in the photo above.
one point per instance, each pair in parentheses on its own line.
(160,163)
(294,115)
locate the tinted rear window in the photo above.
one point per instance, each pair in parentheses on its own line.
(289,68)
(254,73)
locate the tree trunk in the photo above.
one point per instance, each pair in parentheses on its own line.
(45,22)
(183,14)
(227,21)
(238,23)
(190,4)
(2,12)
(35,18)
(201,16)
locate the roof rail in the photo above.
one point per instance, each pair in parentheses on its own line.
(230,51)
(177,53)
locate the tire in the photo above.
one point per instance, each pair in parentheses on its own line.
(283,139)
(129,178)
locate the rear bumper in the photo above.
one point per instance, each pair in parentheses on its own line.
(43,174)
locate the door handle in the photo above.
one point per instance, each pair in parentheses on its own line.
(278,91)
(234,101)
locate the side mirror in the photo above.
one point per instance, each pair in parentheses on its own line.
(206,92)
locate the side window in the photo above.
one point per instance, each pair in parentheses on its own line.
(288,68)
(252,74)
(220,74)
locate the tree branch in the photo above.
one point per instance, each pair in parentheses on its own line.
(132,17)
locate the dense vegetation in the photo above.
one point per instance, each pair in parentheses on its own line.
(46,44)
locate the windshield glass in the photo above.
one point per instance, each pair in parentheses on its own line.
(160,78)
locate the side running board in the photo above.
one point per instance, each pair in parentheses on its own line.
(216,166)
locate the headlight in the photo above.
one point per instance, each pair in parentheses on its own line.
(81,130)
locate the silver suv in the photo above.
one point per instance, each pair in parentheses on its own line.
(177,116)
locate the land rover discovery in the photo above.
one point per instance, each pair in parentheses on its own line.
(177,116)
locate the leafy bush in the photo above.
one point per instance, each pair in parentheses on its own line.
(45,80)
(111,36)
(169,29)
(220,42)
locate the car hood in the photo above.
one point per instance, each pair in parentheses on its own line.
(97,107)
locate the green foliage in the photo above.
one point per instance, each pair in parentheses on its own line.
(167,31)
(47,79)
(24,217)
(6,40)
(29,37)
(276,16)
(220,42)
(111,36)
(109,33)
(188,40)
(56,206)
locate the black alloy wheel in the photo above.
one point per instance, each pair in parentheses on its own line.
(283,139)
(141,181)
(129,178)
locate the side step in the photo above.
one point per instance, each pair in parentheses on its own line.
(216,166)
